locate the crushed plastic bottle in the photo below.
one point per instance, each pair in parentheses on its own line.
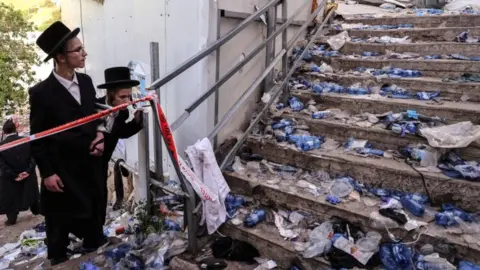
(321,232)
(396,256)
(170,225)
(306,142)
(448,214)
(281,124)
(465,265)
(322,114)
(333,199)
(318,248)
(295,104)
(370,151)
(432,57)
(327,87)
(255,217)
(370,54)
(427,95)
(358,91)
(413,206)
(405,128)
(352,144)
(341,188)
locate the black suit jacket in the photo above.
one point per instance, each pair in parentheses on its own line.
(66,153)
(17,196)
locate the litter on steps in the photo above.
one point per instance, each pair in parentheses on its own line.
(347,245)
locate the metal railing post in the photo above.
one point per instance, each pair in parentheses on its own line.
(155,70)
(217,76)
(284,46)
(143,162)
(270,49)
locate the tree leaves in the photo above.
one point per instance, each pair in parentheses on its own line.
(17,58)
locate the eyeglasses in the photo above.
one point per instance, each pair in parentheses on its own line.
(77,50)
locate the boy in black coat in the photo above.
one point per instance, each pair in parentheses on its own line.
(120,125)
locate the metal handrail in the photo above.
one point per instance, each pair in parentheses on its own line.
(200,55)
(275,92)
(190,209)
(234,70)
(244,96)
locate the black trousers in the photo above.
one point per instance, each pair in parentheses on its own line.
(58,228)
(35,208)
(118,172)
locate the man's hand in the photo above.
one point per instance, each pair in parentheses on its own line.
(22,176)
(53,183)
(138,115)
(97,145)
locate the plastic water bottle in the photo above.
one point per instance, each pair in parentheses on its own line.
(370,151)
(331,53)
(352,143)
(170,225)
(413,206)
(358,91)
(317,88)
(427,95)
(432,266)
(420,198)
(322,114)
(464,265)
(306,142)
(396,256)
(413,153)
(280,106)
(295,104)
(432,57)
(281,124)
(304,82)
(333,200)
(446,219)
(370,54)
(254,218)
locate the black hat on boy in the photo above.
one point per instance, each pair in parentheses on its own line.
(118,77)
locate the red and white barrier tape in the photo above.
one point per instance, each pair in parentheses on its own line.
(71,125)
(201,189)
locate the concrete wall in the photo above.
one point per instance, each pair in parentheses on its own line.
(115,34)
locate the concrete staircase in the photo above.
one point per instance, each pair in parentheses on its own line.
(430,35)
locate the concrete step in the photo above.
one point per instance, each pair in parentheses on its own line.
(356,104)
(379,137)
(427,21)
(379,172)
(423,48)
(430,68)
(428,34)
(267,239)
(448,90)
(287,195)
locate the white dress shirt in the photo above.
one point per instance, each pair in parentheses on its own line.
(72,86)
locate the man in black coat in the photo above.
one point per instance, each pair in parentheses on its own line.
(69,161)
(18,179)
(121,125)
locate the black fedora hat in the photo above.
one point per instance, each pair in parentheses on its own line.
(116,77)
(54,37)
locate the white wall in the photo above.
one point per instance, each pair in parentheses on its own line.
(115,33)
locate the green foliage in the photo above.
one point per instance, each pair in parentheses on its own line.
(149,223)
(17,58)
(41,12)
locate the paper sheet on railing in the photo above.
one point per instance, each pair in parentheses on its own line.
(200,188)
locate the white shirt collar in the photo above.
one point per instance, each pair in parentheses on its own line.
(66,83)
(11,134)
